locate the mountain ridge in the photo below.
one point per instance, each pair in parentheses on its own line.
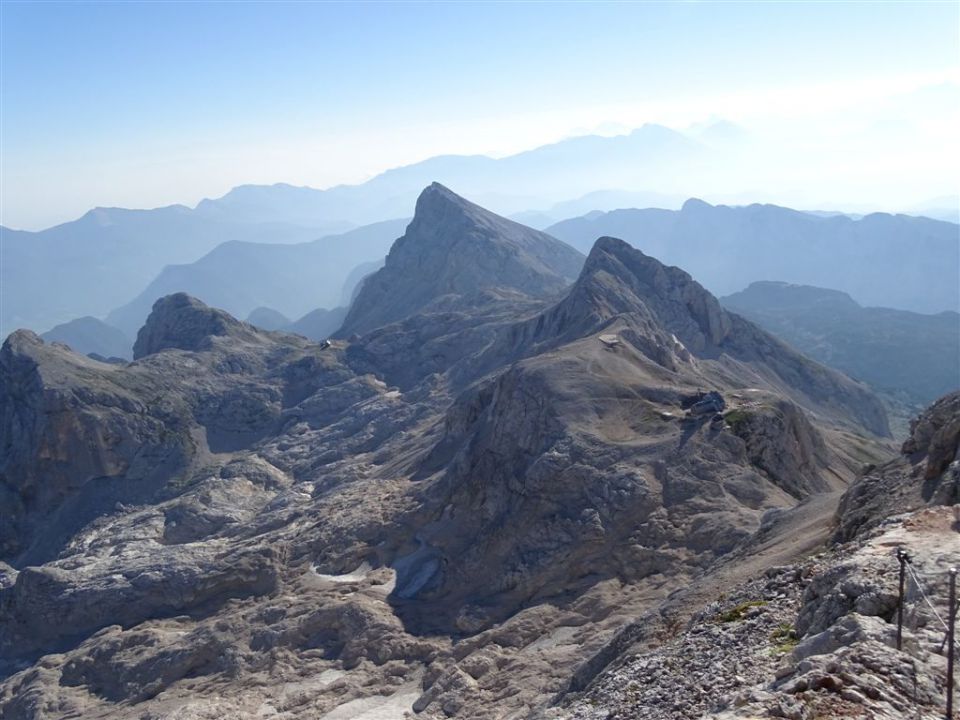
(909,358)
(730,247)
(469,250)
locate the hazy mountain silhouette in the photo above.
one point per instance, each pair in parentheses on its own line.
(268,319)
(94,264)
(317,324)
(891,260)
(88,335)
(91,265)
(892,350)
(535,178)
(292,279)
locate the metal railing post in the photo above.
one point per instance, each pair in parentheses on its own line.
(902,557)
(951,645)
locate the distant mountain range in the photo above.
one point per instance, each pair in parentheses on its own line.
(90,336)
(894,351)
(97,263)
(536,178)
(316,325)
(886,260)
(113,263)
(291,279)
(93,264)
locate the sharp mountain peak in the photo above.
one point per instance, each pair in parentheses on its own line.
(454,248)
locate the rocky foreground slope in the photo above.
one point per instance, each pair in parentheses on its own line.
(815,638)
(451,513)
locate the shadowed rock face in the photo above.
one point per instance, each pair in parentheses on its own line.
(935,436)
(72,426)
(496,465)
(926,473)
(455,248)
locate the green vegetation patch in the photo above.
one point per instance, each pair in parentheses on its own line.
(738,612)
(737,418)
(785,639)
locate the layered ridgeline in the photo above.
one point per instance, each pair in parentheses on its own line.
(910,357)
(105,259)
(448,513)
(291,279)
(94,264)
(90,336)
(537,178)
(100,262)
(881,260)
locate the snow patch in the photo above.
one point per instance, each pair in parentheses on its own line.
(355,576)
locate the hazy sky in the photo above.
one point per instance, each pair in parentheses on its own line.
(143,104)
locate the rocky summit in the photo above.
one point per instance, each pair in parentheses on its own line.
(454,251)
(512,473)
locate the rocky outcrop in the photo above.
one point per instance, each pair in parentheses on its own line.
(76,437)
(926,473)
(455,248)
(670,318)
(808,640)
(184,323)
(618,278)
(782,443)
(935,436)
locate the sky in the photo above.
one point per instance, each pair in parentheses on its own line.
(140,104)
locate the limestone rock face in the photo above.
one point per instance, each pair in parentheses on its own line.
(455,248)
(926,473)
(681,306)
(935,435)
(816,638)
(574,454)
(672,319)
(71,428)
(182,322)
(681,317)
(781,441)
